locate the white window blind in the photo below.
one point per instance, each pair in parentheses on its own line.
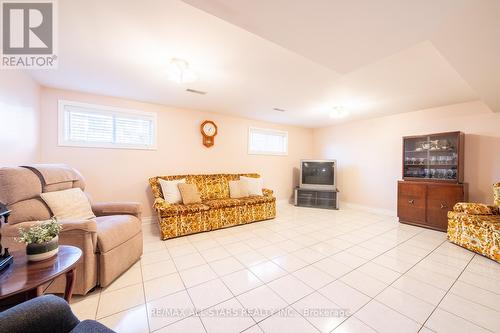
(88,125)
(267,141)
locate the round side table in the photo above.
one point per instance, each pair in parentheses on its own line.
(27,277)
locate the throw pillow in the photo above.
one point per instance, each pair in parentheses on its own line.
(238,189)
(189,193)
(71,204)
(170,190)
(254,185)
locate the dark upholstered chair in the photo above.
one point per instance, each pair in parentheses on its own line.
(46,314)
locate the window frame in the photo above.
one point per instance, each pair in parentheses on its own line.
(266,131)
(62,140)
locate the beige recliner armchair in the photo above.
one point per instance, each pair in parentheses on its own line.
(111,242)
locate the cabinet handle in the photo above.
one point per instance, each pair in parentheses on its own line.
(411,201)
(444,205)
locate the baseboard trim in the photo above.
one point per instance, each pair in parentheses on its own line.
(369,209)
(283,201)
(147,220)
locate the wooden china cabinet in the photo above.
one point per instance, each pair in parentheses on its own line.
(433,173)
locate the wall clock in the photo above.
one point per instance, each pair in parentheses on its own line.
(209,131)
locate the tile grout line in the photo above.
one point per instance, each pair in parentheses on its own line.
(179,291)
(478,287)
(338,278)
(98,303)
(144,296)
(190,241)
(373,298)
(190,298)
(220,278)
(308,246)
(317,290)
(448,292)
(264,283)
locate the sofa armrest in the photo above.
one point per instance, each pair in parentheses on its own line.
(81,225)
(267,192)
(471,208)
(161,205)
(44,314)
(117,208)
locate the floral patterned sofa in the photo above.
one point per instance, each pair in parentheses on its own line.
(217,209)
(477,226)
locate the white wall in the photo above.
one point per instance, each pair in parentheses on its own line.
(19,119)
(121,174)
(369,152)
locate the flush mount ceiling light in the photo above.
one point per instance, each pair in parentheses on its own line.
(339,112)
(179,71)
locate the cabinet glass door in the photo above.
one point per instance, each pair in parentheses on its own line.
(416,157)
(431,157)
(443,157)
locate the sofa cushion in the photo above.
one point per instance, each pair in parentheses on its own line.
(189,194)
(176,209)
(238,189)
(254,200)
(254,185)
(212,186)
(114,230)
(222,203)
(170,190)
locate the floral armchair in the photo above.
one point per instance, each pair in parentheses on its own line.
(476,226)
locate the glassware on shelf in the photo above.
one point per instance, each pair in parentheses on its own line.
(433,156)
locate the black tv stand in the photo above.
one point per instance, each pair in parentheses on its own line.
(327,199)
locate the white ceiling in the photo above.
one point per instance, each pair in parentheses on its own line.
(303,56)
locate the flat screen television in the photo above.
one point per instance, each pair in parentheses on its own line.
(318,174)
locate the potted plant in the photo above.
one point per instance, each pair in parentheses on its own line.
(41,240)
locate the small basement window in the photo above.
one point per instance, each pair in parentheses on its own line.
(267,141)
(100,126)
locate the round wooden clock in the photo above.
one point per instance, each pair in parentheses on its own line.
(209,131)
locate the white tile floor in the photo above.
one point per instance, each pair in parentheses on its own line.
(308,270)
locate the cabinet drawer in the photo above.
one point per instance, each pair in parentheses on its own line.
(412,202)
(440,200)
(412,189)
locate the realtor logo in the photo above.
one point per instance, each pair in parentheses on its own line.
(28,32)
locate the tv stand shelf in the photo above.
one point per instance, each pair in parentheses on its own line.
(327,199)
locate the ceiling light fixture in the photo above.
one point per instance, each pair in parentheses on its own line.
(179,71)
(339,112)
